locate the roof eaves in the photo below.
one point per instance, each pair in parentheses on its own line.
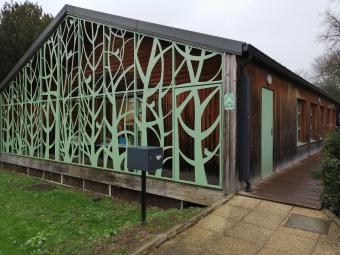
(161,31)
(282,69)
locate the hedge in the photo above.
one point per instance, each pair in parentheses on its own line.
(330,172)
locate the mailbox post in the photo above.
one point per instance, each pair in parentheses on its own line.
(144,158)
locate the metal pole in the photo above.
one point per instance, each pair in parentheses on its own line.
(143,198)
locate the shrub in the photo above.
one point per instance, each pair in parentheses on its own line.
(330,172)
(330,177)
(332,145)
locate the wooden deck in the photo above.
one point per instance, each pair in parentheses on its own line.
(294,185)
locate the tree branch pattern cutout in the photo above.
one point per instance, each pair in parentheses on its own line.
(91,90)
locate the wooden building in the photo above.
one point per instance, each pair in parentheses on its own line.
(93,84)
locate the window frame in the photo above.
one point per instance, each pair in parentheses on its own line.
(313,123)
(300,122)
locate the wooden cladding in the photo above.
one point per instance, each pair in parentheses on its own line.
(294,106)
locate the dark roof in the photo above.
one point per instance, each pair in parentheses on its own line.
(161,31)
(165,32)
(262,57)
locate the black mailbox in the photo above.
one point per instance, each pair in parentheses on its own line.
(144,158)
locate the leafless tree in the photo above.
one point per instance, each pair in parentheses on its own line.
(331,33)
(326,68)
(326,72)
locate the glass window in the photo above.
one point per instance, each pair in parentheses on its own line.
(322,122)
(313,122)
(328,122)
(301,121)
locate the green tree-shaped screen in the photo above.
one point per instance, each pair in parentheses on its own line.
(91,90)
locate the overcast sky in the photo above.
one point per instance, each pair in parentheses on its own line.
(286,30)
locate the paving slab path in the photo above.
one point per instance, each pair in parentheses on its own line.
(246,225)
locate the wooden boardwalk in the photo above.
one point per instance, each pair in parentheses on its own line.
(294,185)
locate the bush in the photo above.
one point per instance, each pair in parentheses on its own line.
(332,145)
(330,172)
(330,177)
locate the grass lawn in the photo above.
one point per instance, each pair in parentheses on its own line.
(67,221)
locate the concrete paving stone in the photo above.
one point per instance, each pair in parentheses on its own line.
(251,226)
(307,223)
(185,247)
(230,211)
(205,251)
(174,247)
(334,231)
(245,202)
(267,220)
(298,232)
(274,208)
(321,226)
(233,246)
(197,237)
(310,213)
(285,220)
(326,249)
(216,223)
(333,237)
(266,251)
(329,239)
(250,233)
(291,244)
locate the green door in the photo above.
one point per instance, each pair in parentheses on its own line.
(267,133)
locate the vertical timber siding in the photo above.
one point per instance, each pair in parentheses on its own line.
(230,179)
(286,94)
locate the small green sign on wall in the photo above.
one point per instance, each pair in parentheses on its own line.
(229,102)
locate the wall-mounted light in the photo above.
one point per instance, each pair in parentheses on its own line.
(269,79)
(319,100)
